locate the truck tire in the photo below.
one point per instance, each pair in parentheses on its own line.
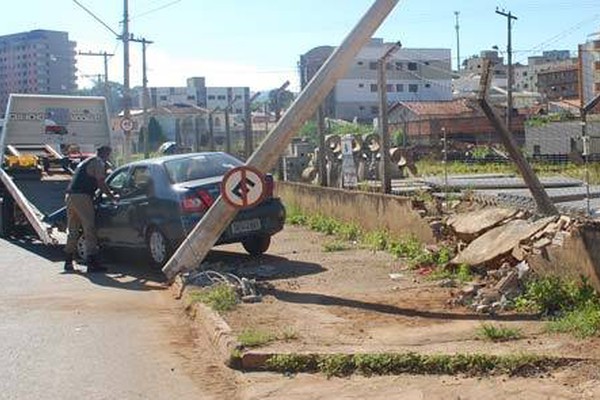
(7,215)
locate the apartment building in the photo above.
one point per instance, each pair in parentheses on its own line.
(39,61)
(526,76)
(412,75)
(561,82)
(589,55)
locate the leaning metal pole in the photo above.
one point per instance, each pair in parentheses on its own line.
(542,200)
(202,238)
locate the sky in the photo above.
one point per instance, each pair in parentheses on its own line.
(258,43)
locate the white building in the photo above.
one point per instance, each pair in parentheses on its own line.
(412,75)
(590,68)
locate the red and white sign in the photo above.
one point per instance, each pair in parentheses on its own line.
(126,124)
(243,187)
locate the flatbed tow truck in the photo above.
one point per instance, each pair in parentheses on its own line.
(38,135)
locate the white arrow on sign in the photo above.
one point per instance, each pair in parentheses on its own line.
(243,187)
(126,124)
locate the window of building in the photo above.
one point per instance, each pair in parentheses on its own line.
(373,65)
(211,97)
(389,88)
(399,87)
(360,63)
(221,97)
(361,85)
(597,65)
(373,87)
(537,149)
(163,98)
(412,66)
(399,66)
(426,62)
(238,110)
(428,85)
(413,88)
(374,110)
(238,97)
(191,97)
(361,108)
(171,91)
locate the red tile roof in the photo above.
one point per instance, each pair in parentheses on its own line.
(451,107)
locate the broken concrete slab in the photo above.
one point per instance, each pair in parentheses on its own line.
(476,222)
(499,241)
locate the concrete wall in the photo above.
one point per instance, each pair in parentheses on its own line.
(579,255)
(371,211)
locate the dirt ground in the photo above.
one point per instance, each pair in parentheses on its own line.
(346,301)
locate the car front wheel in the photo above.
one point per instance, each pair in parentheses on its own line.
(158,247)
(257,245)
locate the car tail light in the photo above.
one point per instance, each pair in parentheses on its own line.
(270,188)
(196,203)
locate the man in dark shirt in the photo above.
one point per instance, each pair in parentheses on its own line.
(88,177)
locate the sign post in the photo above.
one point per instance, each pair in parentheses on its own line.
(202,238)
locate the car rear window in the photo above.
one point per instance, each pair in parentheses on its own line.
(200,166)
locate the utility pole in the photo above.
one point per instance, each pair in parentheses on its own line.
(509,101)
(321,162)
(105,55)
(126,89)
(249,134)
(457,27)
(281,166)
(386,180)
(145,95)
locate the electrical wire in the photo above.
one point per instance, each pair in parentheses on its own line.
(155,9)
(96,18)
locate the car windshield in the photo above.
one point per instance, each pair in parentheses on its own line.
(200,166)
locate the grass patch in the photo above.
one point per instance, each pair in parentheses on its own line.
(553,295)
(407,247)
(411,363)
(462,273)
(582,322)
(255,338)
(335,245)
(220,298)
(498,333)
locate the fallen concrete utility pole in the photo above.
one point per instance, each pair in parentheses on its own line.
(203,237)
(542,200)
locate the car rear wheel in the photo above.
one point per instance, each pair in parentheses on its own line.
(158,247)
(257,245)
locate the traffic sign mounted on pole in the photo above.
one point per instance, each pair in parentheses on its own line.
(243,187)
(126,124)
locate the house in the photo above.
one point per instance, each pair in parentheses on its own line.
(425,123)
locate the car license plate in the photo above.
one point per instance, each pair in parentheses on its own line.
(249,225)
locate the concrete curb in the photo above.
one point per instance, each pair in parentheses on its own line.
(212,324)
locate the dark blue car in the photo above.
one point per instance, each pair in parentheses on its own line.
(162,199)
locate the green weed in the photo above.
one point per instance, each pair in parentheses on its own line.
(413,363)
(220,297)
(255,338)
(582,322)
(498,333)
(335,245)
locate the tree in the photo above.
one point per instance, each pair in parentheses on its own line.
(155,134)
(285,99)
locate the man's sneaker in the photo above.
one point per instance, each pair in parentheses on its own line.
(93,265)
(69,266)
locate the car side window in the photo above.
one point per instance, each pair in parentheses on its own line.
(139,182)
(116,181)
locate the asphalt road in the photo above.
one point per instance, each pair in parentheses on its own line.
(78,336)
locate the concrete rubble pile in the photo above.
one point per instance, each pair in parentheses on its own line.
(497,243)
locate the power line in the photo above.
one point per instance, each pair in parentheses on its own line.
(156,9)
(96,18)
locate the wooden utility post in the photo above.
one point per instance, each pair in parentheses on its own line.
(542,200)
(211,132)
(509,97)
(205,234)
(145,98)
(386,179)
